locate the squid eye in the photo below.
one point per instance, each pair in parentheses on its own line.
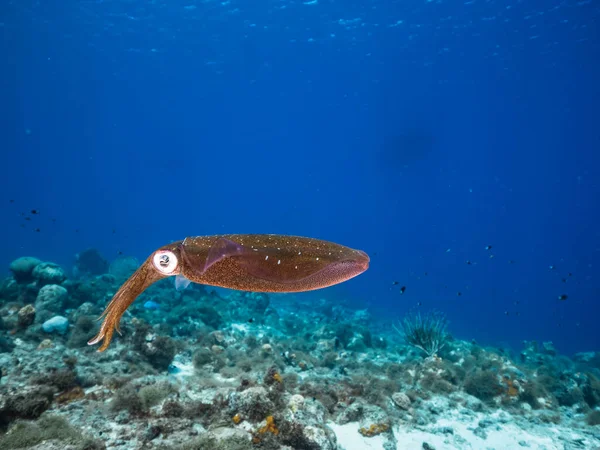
(165,262)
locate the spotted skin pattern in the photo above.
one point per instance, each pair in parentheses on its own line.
(246,262)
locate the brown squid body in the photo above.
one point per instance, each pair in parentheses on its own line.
(247,262)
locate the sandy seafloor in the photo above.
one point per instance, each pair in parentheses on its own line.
(206,369)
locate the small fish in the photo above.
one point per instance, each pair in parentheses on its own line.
(468,262)
(11,201)
(173,369)
(34,211)
(459,293)
(488,247)
(402,290)
(37,230)
(151,305)
(551,267)
(511,261)
(250,320)
(418,303)
(563,297)
(394,283)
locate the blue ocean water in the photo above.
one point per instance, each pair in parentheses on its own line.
(420,132)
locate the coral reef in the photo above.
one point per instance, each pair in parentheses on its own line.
(22,269)
(202,369)
(90,262)
(50,300)
(48,273)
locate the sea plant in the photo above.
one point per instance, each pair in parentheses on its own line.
(425,332)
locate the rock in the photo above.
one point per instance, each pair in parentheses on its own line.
(85,309)
(363,413)
(548,348)
(374,415)
(352,413)
(266,348)
(357,343)
(51,298)
(218,338)
(48,273)
(26,316)
(22,269)
(58,324)
(217,349)
(485,423)
(25,403)
(473,403)
(6,345)
(480,432)
(296,403)
(159,351)
(224,434)
(150,433)
(46,343)
(437,405)
(319,437)
(401,400)
(253,404)
(9,289)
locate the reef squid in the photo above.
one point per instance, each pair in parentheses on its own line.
(247,262)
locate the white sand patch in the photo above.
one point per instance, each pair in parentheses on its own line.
(499,436)
(502,434)
(508,437)
(350,439)
(181,369)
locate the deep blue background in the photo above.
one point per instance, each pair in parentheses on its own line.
(420,132)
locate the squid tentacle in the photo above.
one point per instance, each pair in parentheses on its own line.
(141,279)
